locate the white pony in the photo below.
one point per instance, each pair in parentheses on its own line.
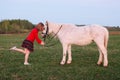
(69,34)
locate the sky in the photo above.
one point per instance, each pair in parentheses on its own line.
(103,12)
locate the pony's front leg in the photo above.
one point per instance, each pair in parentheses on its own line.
(69,55)
(65,47)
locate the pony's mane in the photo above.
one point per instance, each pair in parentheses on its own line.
(64,24)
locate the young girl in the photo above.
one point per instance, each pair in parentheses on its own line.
(28,42)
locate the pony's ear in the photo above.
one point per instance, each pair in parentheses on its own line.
(46,22)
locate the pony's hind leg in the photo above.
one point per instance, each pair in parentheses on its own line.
(65,47)
(100,60)
(102,50)
(69,55)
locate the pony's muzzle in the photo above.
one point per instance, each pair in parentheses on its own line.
(43,35)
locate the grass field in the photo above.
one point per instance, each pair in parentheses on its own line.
(45,61)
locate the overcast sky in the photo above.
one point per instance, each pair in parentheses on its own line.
(103,12)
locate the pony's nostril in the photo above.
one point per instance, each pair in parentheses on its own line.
(44,36)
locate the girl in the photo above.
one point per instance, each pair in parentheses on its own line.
(28,42)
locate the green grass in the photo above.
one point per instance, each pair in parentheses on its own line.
(45,61)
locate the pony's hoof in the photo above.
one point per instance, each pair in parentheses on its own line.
(68,62)
(105,65)
(99,63)
(62,62)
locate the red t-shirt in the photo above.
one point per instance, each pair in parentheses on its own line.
(33,35)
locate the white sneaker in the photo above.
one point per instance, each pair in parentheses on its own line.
(27,64)
(13,48)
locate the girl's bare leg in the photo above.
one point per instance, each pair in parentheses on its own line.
(18,49)
(25,51)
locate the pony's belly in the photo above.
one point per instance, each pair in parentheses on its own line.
(77,40)
(82,43)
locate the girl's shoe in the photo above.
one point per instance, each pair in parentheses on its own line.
(13,48)
(27,64)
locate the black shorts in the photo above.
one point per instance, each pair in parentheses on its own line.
(28,44)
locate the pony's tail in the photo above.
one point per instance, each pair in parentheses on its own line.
(106,38)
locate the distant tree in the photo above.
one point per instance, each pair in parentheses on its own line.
(118,27)
(15,26)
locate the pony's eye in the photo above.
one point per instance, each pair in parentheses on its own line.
(42,33)
(43,28)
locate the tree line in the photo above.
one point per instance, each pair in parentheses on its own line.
(22,26)
(15,26)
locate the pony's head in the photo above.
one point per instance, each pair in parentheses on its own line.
(51,28)
(47,29)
